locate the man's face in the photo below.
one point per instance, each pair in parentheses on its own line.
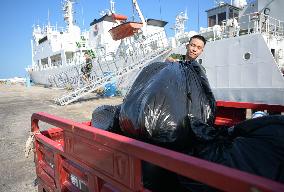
(194,49)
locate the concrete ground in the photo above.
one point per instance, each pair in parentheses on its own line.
(17,104)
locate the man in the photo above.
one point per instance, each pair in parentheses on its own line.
(87,68)
(194,49)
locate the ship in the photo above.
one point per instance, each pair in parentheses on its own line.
(243,57)
(119,49)
(244,53)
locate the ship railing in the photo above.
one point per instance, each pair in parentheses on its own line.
(70,61)
(145,46)
(262,23)
(44,66)
(33,68)
(72,78)
(47,28)
(131,52)
(274,26)
(30,68)
(56,63)
(136,51)
(150,40)
(246,24)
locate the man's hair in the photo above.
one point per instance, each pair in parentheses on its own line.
(200,37)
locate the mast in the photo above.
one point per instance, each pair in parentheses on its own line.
(181,19)
(68,13)
(198,28)
(112,9)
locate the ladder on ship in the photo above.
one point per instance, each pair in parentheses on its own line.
(93,85)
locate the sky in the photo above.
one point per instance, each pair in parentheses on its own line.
(18,16)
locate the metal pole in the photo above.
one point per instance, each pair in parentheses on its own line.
(198,16)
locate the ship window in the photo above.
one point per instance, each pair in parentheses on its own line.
(231,13)
(83,38)
(236,15)
(266,11)
(280,53)
(247,56)
(221,17)
(211,20)
(42,40)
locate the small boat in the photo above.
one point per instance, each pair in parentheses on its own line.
(124,30)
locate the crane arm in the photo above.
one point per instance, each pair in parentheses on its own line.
(139,12)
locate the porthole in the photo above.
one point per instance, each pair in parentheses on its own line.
(266,11)
(247,56)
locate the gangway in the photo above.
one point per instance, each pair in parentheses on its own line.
(93,85)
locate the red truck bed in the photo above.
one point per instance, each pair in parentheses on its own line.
(74,156)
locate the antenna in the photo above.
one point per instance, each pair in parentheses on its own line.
(133,12)
(83,20)
(181,19)
(112,6)
(48,21)
(218,2)
(198,15)
(160,9)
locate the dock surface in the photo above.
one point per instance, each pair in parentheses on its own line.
(17,104)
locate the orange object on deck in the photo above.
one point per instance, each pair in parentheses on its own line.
(119,17)
(125,30)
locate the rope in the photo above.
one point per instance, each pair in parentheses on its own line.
(29,144)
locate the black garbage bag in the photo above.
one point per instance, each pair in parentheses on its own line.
(255,146)
(163,95)
(258,147)
(106,117)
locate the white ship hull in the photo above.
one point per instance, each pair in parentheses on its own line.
(257,79)
(43,76)
(234,78)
